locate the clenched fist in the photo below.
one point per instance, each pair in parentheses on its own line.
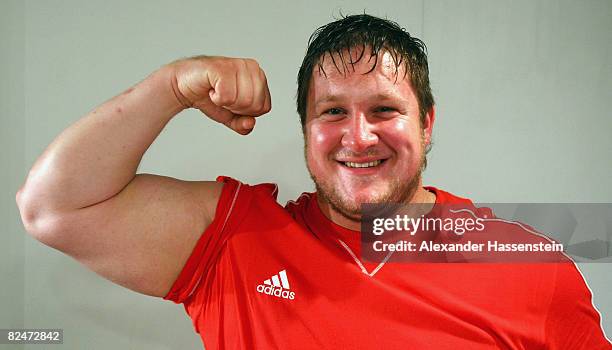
(231,91)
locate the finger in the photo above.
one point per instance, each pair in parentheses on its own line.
(242,124)
(244,90)
(267,96)
(225,90)
(259,90)
(215,112)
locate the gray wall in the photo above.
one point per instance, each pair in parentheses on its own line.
(12,160)
(521,87)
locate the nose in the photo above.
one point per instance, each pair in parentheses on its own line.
(359,134)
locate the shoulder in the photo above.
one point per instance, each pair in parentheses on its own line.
(572,321)
(265,189)
(240,194)
(259,202)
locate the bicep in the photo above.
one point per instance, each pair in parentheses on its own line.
(141,237)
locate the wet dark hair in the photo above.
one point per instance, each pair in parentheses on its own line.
(358,32)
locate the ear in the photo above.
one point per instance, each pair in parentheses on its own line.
(428,124)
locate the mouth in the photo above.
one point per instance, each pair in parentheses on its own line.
(360,165)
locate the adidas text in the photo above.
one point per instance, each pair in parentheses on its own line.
(276,291)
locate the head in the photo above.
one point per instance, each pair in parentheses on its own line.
(366,111)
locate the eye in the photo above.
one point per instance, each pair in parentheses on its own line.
(385,109)
(334,111)
(334,114)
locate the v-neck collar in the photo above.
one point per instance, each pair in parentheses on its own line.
(349,241)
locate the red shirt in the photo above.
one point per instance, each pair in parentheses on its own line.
(266,276)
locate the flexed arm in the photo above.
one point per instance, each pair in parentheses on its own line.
(83,196)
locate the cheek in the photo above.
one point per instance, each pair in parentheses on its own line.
(400,133)
(323,139)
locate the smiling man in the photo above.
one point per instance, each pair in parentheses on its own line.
(254,274)
(365,134)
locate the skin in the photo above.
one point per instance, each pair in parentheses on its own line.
(84,197)
(359,117)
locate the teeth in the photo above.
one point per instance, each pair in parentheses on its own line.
(363,165)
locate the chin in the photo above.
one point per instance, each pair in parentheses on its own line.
(347,198)
(372,194)
(349,205)
(356,201)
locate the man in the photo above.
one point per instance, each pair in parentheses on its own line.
(254,274)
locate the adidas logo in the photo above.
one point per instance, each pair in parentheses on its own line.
(278,287)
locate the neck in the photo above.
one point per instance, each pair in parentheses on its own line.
(421,196)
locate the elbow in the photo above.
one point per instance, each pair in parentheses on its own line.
(39,223)
(26,210)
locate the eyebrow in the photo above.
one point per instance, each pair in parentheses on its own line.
(378,97)
(329,98)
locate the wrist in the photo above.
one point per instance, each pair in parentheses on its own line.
(165,83)
(170,72)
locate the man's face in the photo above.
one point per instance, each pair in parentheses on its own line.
(364,141)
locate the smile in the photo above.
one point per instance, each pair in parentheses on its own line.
(363,165)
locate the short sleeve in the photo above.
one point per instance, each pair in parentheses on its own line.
(232,200)
(572,321)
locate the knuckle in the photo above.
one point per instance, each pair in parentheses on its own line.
(225,93)
(245,103)
(251,62)
(253,66)
(263,79)
(265,108)
(262,105)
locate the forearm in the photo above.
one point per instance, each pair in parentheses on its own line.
(98,155)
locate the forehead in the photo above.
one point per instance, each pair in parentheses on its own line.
(360,61)
(359,75)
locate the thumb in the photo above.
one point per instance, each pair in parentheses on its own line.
(241,124)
